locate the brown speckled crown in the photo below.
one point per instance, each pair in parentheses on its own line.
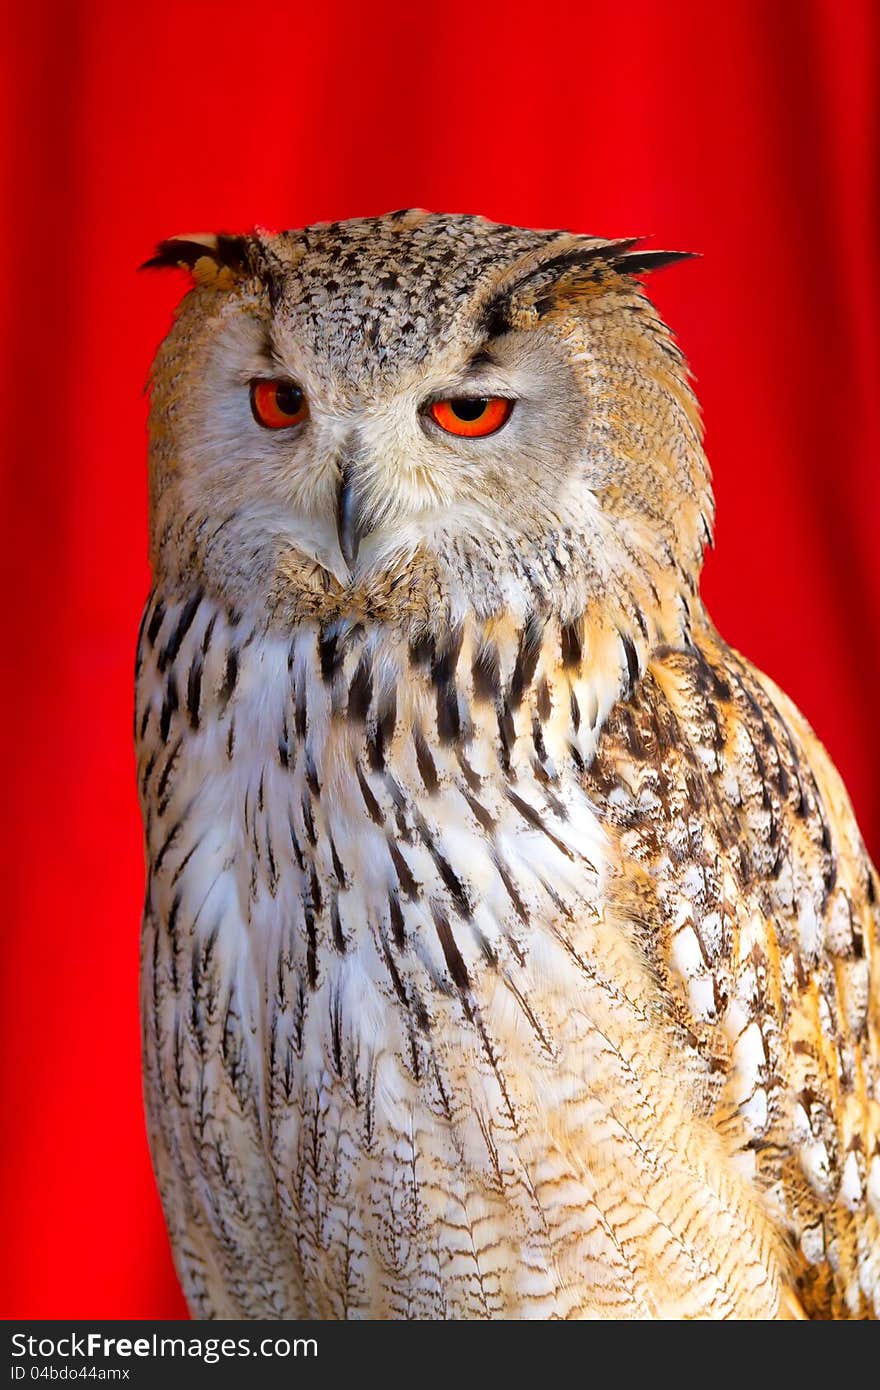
(379,289)
(379,286)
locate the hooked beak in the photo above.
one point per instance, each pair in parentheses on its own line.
(347,520)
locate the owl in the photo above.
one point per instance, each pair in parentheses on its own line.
(509,946)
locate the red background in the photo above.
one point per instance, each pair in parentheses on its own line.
(746,131)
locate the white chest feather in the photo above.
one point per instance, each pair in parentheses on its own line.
(388,1025)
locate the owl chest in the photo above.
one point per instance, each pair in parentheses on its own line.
(330,803)
(355,967)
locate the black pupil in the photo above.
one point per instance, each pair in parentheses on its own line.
(288,397)
(469,408)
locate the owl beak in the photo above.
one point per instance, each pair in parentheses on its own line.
(348,526)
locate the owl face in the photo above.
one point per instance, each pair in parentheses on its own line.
(440,409)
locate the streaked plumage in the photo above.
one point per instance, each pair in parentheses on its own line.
(510,948)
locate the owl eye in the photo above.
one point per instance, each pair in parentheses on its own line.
(471,416)
(277,405)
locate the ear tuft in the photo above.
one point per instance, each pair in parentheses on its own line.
(539,286)
(643,262)
(212,259)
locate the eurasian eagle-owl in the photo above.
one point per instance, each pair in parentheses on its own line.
(510,948)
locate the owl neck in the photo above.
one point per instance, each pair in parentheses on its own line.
(519,697)
(524,695)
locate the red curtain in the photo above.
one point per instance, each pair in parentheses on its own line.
(745,131)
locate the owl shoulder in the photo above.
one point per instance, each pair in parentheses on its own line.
(743,872)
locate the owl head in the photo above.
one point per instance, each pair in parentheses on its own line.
(413,417)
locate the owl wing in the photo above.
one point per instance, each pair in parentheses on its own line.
(746,878)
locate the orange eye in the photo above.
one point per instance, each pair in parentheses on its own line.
(472,416)
(277,405)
